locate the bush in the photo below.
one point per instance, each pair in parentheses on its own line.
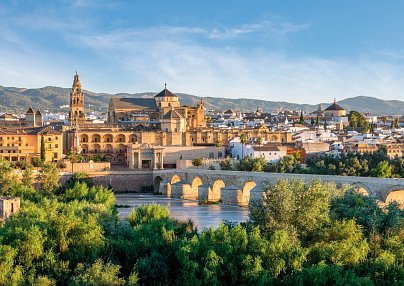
(197,162)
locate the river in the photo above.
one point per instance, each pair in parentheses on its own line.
(202,216)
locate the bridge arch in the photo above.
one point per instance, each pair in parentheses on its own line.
(175,179)
(396,195)
(156,184)
(196,182)
(214,194)
(360,188)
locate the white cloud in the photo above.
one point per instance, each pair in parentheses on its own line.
(173,54)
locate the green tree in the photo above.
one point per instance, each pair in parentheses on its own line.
(197,162)
(49,178)
(243,140)
(301,118)
(97,274)
(226,164)
(382,170)
(317,120)
(27,179)
(42,149)
(260,140)
(74,157)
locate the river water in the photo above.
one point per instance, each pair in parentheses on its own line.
(202,216)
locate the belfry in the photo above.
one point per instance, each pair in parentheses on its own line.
(77,113)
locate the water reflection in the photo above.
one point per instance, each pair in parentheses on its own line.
(202,216)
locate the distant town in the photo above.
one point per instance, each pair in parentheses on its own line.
(133,128)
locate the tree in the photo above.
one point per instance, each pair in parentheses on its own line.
(317,121)
(74,157)
(43,154)
(293,207)
(197,162)
(27,177)
(301,119)
(49,178)
(325,125)
(97,274)
(312,122)
(260,140)
(226,164)
(382,170)
(243,140)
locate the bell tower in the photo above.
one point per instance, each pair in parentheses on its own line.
(77,112)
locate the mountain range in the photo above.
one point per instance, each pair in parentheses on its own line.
(53,98)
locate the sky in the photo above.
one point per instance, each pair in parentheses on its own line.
(299,51)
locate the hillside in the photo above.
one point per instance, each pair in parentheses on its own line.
(18,99)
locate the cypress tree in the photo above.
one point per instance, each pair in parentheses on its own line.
(317,121)
(43,156)
(301,120)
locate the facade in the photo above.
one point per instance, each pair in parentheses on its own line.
(24,144)
(149,113)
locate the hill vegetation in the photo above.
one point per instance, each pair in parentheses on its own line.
(18,99)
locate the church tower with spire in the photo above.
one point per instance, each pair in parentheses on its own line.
(77,113)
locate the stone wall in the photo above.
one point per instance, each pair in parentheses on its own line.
(121,181)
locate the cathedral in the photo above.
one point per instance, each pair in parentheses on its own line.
(163,112)
(139,132)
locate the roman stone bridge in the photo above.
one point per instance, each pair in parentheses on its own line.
(234,187)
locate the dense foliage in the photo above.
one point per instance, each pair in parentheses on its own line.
(299,235)
(376,164)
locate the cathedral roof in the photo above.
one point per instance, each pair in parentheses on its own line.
(30,111)
(38,112)
(165,93)
(334,106)
(133,103)
(172,114)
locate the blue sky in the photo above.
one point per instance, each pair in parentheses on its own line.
(298,51)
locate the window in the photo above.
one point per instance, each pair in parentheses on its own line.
(55,155)
(56,145)
(49,139)
(50,146)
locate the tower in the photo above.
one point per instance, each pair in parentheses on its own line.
(77,111)
(30,117)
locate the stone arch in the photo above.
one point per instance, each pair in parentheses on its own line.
(96,138)
(96,148)
(273,138)
(120,159)
(120,138)
(107,138)
(175,179)
(215,192)
(243,197)
(120,149)
(397,195)
(249,185)
(109,148)
(362,189)
(83,138)
(196,182)
(156,184)
(133,138)
(84,148)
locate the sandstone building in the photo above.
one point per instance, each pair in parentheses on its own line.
(155,127)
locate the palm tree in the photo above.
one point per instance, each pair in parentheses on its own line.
(259,142)
(74,157)
(243,140)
